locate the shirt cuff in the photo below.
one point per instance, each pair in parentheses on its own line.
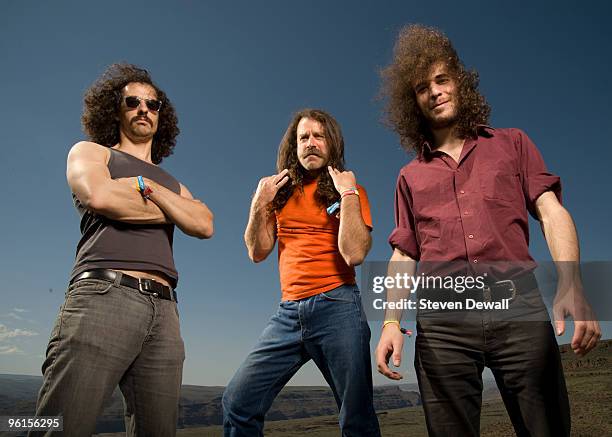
(540,184)
(405,240)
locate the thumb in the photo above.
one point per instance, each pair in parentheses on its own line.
(559,320)
(560,326)
(397,354)
(397,359)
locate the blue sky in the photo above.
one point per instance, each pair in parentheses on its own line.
(235,72)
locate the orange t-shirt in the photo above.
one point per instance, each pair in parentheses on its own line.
(309,261)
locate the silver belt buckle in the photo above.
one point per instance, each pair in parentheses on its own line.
(146,285)
(512,286)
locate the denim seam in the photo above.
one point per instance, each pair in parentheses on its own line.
(135,413)
(56,351)
(359,313)
(149,337)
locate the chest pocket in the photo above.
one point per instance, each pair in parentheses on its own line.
(500,184)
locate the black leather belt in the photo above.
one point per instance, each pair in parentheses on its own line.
(145,285)
(492,291)
(508,288)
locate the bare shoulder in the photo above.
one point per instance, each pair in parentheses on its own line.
(89,151)
(185,192)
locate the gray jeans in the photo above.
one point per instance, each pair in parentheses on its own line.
(108,334)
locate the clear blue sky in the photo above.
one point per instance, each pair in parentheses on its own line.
(235,72)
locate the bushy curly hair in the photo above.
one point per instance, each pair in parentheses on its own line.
(326,193)
(101,106)
(416,51)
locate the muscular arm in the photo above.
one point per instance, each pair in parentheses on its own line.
(391,339)
(354,239)
(260,233)
(561,237)
(190,215)
(91,182)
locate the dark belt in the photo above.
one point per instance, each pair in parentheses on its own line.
(145,285)
(508,288)
(492,291)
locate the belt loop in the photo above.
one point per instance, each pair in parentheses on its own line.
(118,277)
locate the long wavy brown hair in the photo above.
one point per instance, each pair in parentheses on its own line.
(101,107)
(326,193)
(416,51)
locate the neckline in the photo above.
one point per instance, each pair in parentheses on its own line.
(134,157)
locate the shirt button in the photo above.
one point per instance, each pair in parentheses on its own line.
(475,261)
(465,213)
(462,192)
(471,236)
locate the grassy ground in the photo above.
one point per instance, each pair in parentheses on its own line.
(589,383)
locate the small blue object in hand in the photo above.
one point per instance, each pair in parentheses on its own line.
(333,208)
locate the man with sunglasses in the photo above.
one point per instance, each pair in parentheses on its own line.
(119,323)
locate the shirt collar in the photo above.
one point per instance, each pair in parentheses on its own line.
(484,130)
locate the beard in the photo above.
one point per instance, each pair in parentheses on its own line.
(443,121)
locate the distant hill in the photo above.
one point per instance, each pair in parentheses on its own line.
(201,406)
(299,409)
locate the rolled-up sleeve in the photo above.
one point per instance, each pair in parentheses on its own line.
(403,237)
(536,179)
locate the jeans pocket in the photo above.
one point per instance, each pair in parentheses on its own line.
(339,294)
(89,286)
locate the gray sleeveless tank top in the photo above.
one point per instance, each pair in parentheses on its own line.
(110,244)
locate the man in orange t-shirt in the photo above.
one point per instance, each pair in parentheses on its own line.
(322,221)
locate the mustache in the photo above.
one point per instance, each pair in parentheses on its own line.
(142,117)
(311,151)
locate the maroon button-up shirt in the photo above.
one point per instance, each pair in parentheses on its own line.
(474,210)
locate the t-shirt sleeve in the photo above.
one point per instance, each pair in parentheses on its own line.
(535,177)
(365,207)
(403,236)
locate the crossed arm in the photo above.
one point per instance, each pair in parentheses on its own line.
(117,199)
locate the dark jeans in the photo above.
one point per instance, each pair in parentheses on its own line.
(452,351)
(329,328)
(107,334)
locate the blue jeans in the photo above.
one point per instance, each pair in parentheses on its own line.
(106,335)
(329,328)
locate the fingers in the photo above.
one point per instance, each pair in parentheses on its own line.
(279,177)
(332,172)
(382,360)
(591,332)
(579,333)
(389,347)
(282,182)
(594,339)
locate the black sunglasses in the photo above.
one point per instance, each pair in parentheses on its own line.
(134,102)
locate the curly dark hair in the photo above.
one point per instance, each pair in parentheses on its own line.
(416,51)
(326,193)
(101,105)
